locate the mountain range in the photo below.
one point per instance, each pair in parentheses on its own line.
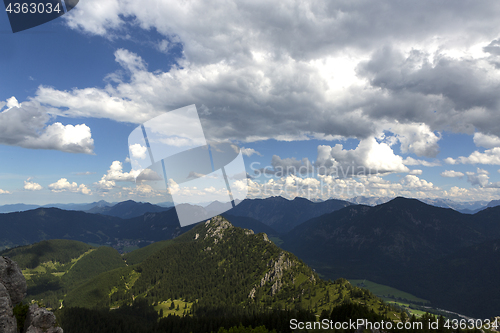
(282,214)
(402,243)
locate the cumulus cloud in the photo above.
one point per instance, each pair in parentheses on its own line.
(4,192)
(452,174)
(415,172)
(416,138)
(31,186)
(414,183)
(115,174)
(26,125)
(490,156)
(370,157)
(275,63)
(299,70)
(486,141)
(138,151)
(480,177)
(63,185)
(411,161)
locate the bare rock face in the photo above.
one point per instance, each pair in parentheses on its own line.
(13,280)
(8,323)
(12,291)
(41,320)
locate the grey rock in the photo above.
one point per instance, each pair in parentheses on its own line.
(8,323)
(39,318)
(12,278)
(33,329)
(12,291)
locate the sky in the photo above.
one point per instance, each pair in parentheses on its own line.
(324,98)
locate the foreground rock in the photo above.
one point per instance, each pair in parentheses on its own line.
(13,280)
(41,320)
(12,291)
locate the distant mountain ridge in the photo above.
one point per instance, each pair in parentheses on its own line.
(128,209)
(282,214)
(398,243)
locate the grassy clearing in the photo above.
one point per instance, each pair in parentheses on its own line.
(184,307)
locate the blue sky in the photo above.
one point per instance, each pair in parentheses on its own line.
(415,105)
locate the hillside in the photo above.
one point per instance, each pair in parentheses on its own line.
(471,272)
(392,242)
(217,264)
(54,267)
(213,266)
(24,228)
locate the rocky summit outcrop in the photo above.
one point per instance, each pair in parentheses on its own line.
(12,291)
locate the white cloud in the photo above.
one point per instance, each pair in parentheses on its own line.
(486,141)
(370,157)
(4,192)
(245,151)
(480,177)
(414,183)
(411,161)
(415,172)
(450,160)
(490,156)
(63,185)
(115,174)
(12,102)
(416,138)
(31,186)
(137,151)
(451,174)
(25,125)
(249,151)
(143,190)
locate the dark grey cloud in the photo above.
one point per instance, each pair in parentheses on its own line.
(447,94)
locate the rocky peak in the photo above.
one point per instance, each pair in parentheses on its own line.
(216,227)
(12,291)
